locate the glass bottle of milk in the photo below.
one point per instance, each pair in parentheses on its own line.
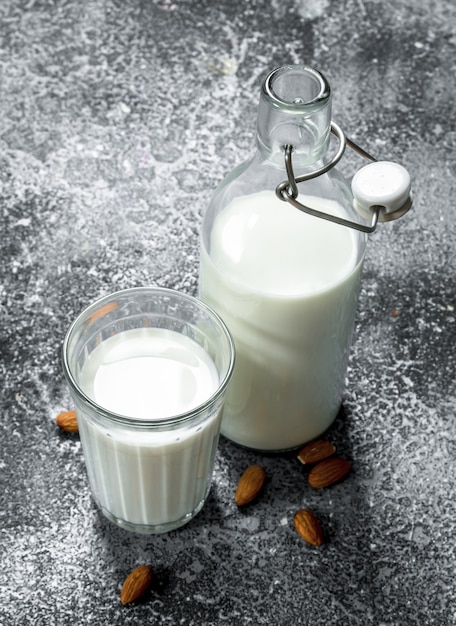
(285,282)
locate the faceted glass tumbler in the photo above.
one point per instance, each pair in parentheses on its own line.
(148,474)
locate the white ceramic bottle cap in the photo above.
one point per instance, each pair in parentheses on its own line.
(385,184)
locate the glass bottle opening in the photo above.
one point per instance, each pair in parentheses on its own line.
(297,85)
(294,110)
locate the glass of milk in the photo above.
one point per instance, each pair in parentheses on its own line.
(148,370)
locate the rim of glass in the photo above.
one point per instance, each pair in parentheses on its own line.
(158,423)
(321,98)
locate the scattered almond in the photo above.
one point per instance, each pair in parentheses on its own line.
(101,312)
(250,484)
(136,584)
(316,451)
(67,421)
(328,472)
(308,527)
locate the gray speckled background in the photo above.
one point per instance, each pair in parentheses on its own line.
(117,121)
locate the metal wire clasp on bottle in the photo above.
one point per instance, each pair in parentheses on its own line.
(288,189)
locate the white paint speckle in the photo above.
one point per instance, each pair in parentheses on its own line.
(25,221)
(313,8)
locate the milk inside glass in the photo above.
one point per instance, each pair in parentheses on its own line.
(286,285)
(137,476)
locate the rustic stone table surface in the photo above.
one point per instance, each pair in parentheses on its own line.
(117,121)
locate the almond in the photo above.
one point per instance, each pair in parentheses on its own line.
(316,451)
(250,484)
(136,584)
(328,472)
(308,527)
(67,421)
(101,312)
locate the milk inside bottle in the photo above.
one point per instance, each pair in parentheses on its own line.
(286,283)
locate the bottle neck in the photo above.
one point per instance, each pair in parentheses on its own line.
(294,109)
